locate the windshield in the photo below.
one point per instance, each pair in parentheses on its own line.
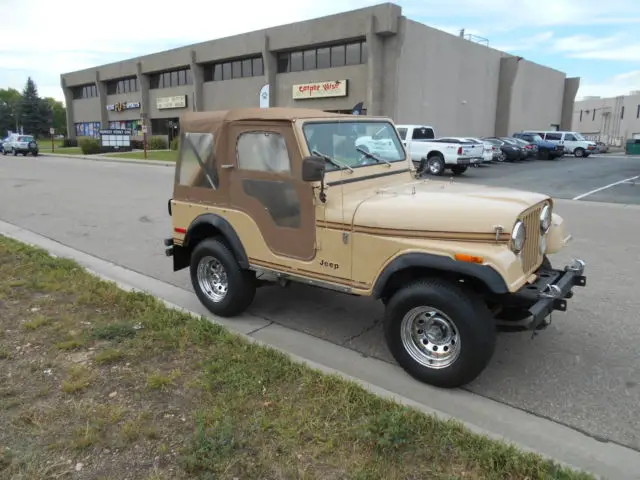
(25,139)
(536,138)
(579,136)
(347,142)
(509,141)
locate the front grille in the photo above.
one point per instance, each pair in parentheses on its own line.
(530,255)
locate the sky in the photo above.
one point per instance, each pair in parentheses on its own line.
(592,39)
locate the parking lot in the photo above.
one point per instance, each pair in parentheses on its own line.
(584,371)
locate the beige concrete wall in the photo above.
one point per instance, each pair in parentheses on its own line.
(170,92)
(132,114)
(438,73)
(356,75)
(86,110)
(603,117)
(536,98)
(238,92)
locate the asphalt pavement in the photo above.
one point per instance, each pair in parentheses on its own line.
(583,371)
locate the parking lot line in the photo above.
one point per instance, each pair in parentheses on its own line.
(605,187)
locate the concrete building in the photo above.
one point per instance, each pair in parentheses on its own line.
(611,120)
(395,66)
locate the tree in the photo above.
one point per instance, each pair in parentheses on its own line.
(35,113)
(59,115)
(10,100)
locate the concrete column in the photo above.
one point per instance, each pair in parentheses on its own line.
(571,86)
(68,101)
(270,62)
(143,85)
(508,73)
(102,95)
(197,74)
(375,66)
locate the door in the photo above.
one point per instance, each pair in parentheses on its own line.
(266,184)
(570,142)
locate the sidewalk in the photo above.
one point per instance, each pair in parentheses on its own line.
(105,158)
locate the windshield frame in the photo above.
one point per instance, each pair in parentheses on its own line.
(579,137)
(394,137)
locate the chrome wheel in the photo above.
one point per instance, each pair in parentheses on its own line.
(430,337)
(436,166)
(212,279)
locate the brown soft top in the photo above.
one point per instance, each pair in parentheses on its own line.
(205,121)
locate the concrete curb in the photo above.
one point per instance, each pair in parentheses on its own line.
(102,158)
(481,415)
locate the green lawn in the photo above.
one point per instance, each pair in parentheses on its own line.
(162,155)
(113,384)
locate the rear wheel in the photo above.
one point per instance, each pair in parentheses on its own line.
(435,164)
(439,333)
(221,285)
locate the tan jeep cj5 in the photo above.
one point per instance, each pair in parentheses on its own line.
(278,195)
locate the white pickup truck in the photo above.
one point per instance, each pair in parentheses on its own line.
(440,154)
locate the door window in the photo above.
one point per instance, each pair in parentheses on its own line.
(263,152)
(569,137)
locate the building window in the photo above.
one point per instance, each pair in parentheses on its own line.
(580,115)
(263,152)
(351,53)
(125,85)
(622,113)
(593,118)
(237,68)
(638,112)
(85,91)
(134,125)
(87,129)
(171,78)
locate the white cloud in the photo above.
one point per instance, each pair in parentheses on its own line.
(617,85)
(623,53)
(528,43)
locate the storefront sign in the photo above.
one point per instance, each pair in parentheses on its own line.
(179,101)
(331,88)
(115,131)
(264,96)
(121,106)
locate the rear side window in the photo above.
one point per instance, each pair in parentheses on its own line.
(554,136)
(423,133)
(196,152)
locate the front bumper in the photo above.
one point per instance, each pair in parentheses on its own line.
(530,307)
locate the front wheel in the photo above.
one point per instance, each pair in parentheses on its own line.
(221,285)
(439,333)
(579,152)
(458,169)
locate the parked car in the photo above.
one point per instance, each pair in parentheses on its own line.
(23,144)
(487,148)
(420,142)
(510,150)
(546,150)
(2,141)
(530,148)
(450,262)
(602,147)
(573,143)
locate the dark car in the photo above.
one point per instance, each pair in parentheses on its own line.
(510,150)
(546,150)
(530,148)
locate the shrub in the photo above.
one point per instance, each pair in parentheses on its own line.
(157,143)
(137,144)
(90,146)
(70,142)
(174,144)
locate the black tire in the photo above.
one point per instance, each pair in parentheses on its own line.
(15,152)
(458,169)
(579,152)
(241,285)
(476,331)
(435,164)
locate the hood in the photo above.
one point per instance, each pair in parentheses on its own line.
(437,206)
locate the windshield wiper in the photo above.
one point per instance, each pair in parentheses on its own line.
(332,161)
(371,155)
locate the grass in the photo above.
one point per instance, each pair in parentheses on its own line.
(162,155)
(117,382)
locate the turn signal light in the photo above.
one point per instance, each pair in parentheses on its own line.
(464,257)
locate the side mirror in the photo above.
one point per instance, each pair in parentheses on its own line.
(313,169)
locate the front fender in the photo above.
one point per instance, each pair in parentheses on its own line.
(558,236)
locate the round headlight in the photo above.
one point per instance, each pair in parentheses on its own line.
(545,219)
(518,236)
